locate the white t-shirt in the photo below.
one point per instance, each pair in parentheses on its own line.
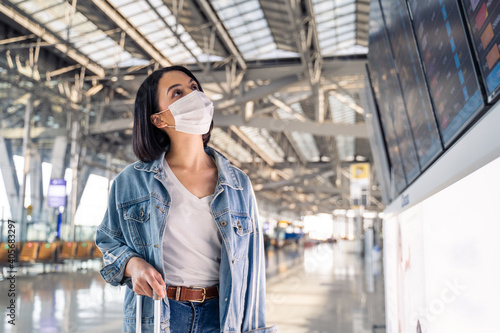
(191,240)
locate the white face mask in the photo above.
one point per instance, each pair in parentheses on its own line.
(192,113)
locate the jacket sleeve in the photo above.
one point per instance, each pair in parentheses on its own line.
(113,245)
(254,315)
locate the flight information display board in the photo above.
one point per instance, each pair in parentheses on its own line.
(415,91)
(483,18)
(391,106)
(447,63)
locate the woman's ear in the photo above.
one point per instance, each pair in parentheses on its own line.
(157,120)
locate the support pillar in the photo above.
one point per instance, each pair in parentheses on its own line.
(58,156)
(74,156)
(36,185)
(9,176)
(109,165)
(21,216)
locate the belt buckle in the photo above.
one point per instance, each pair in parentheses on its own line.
(178,293)
(204,294)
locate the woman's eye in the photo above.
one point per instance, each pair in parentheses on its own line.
(195,87)
(176,93)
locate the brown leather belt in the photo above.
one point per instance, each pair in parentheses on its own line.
(194,294)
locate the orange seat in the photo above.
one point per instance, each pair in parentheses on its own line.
(84,250)
(47,252)
(97,252)
(4,253)
(29,252)
(68,250)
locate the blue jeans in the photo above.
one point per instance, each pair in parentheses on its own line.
(191,317)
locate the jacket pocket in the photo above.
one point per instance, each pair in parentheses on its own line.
(270,329)
(242,224)
(136,214)
(242,230)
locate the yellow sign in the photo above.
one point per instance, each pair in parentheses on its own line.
(29,210)
(360,171)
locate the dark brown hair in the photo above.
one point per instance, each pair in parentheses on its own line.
(148,141)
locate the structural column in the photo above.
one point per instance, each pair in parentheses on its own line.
(21,216)
(9,176)
(74,157)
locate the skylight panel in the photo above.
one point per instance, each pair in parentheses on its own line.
(152,27)
(43,17)
(261,33)
(239,31)
(343,114)
(265,142)
(141,19)
(335,20)
(124,2)
(340,3)
(307,145)
(134,8)
(266,45)
(57,26)
(158,33)
(347,43)
(347,29)
(343,10)
(343,20)
(305,141)
(32,6)
(102,55)
(106,43)
(224,142)
(228,13)
(248,6)
(324,6)
(354,49)
(246,24)
(89,48)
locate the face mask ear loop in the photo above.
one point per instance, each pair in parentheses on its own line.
(162,111)
(167,126)
(159,113)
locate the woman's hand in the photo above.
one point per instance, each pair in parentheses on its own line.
(145,278)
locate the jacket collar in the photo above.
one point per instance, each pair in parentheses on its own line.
(225,170)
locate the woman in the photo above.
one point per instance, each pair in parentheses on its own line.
(182,221)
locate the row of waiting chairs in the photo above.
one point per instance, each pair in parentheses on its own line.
(49,252)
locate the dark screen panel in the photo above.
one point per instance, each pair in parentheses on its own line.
(390,103)
(448,64)
(376,137)
(415,91)
(483,18)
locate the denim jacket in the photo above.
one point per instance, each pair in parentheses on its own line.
(134,223)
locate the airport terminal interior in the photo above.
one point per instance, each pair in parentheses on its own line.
(368,130)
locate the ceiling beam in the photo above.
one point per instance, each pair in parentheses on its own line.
(131,32)
(338,66)
(258,92)
(276,125)
(36,132)
(306,38)
(252,145)
(228,41)
(296,179)
(281,125)
(50,38)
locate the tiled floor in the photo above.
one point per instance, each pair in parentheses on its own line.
(326,292)
(318,289)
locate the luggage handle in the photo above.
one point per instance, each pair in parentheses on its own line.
(157,313)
